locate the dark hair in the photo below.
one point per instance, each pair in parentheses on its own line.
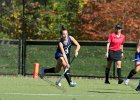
(118,26)
(62,29)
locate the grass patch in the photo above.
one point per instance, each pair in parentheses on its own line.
(26,88)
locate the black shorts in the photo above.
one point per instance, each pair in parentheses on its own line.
(114,55)
(58,55)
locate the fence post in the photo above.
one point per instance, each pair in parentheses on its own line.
(23,40)
(19,55)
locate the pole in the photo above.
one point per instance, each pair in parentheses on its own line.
(19,55)
(23,40)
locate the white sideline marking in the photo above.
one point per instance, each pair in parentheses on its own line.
(36,94)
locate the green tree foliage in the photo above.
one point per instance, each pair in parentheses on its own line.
(85,19)
(10,25)
(99,19)
(43,18)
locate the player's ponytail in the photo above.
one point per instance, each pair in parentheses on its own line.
(62,29)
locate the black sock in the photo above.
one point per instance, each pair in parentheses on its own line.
(67,76)
(132,73)
(139,84)
(107,73)
(50,70)
(119,73)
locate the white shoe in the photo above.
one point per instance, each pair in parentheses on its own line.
(126,81)
(72,84)
(42,73)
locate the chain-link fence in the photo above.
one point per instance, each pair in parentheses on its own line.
(10,28)
(90,62)
(9,57)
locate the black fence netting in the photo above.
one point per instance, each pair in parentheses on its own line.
(9,57)
(90,62)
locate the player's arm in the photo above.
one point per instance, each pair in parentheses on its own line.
(108,45)
(122,47)
(138,46)
(107,49)
(76,44)
(63,53)
(122,50)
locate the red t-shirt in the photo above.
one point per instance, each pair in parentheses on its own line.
(116,42)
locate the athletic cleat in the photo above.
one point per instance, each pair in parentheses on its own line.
(126,81)
(72,84)
(138,88)
(107,82)
(120,81)
(42,73)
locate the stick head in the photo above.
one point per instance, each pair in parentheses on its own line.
(58,84)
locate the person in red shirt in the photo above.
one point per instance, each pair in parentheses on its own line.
(115,52)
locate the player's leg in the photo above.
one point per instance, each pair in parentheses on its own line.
(67,74)
(107,70)
(138,87)
(55,69)
(51,70)
(119,63)
(132,73)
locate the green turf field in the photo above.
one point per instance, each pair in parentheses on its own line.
(26,88)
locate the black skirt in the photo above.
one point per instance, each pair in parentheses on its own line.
(114,55)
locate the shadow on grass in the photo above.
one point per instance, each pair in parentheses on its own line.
(102,92)
(117,92)
(119,89)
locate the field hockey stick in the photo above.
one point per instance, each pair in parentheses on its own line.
(135,59)
(52,84)
(61,77)
(72,60)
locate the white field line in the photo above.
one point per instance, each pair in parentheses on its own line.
(47,94)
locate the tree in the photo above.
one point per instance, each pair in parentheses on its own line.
(98,19)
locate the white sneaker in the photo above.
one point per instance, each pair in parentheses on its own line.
(72,84)
(126,81)
(42,73)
